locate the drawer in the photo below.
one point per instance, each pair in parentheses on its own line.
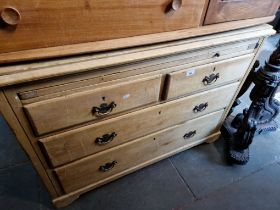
(207,76)
(205,54)
(230,10)
(87,140)
(98,167)
(61,112)
(46,89)
(28,23)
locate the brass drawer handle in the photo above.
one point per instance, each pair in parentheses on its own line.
(200,107)
(190,134)
(105,139)
(211,79)
(10,16)
(107,166)
(104,109)
(173,7)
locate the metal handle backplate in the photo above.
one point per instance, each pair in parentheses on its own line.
(105,139)
(200,107)
(190,134)
(107,166)
(217,55)
(104,109)
(211,79)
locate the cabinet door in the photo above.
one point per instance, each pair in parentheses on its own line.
(229,10)
(33,24)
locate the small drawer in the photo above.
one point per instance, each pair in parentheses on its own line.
(28,23)
(207,76)
(72,145)
(118,160)
(229,10)
(61,112)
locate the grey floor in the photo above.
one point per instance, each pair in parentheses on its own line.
(195,179)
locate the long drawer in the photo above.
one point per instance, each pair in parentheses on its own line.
(28,23)
(111,162)
(61,112)
(81,142)
(206,76)
(202,55)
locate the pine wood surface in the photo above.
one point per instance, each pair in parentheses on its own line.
(86,171)
(78,107)
(128,56)
(98,46)
(24,85)
(189,80)
(49,23)
(77,143)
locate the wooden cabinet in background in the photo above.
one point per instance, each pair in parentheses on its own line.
(36,29)
(49,23)
(220,11)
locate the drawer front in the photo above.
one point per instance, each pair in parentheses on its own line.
(207,76)
(46,90)
(111,162)
(28,23)
(229,10)
(81,142)
(54,114)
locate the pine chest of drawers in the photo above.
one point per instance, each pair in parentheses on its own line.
(87,120)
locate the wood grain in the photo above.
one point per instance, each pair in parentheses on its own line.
(231,10)
(89,47)
(110,76)
(73,146)
(229,47)
(131,154)
(133,55)
(77,143)
(190,80)
(48,23)
(60,202)
(76,108)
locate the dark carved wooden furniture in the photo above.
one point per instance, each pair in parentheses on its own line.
(259,117)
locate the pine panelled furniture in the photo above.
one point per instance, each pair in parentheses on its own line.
(95,90)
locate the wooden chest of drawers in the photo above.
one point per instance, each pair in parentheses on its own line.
(159,77)
(87,120)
